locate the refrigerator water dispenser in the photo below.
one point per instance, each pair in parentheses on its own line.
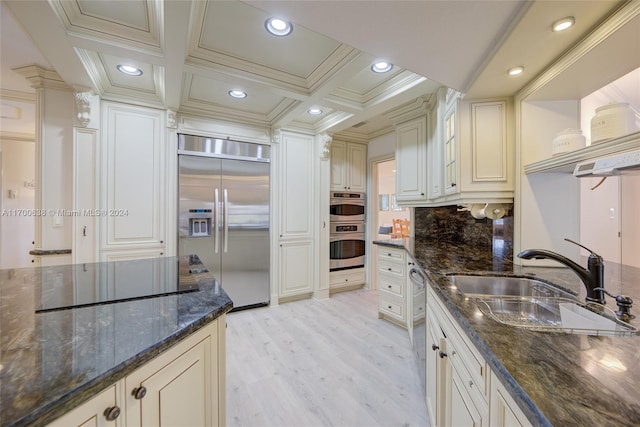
(199,227)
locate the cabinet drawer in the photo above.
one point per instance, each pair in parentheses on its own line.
(474,364)
(466,357)
(386,254)
(391,284)
(343,278)
(395,269)
(392,307)
(475,385)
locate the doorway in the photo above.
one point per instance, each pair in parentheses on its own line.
(17,202)
(382,208)
(388,210)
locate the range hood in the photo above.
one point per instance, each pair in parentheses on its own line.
(623,163)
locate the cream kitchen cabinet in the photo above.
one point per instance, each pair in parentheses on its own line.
(297,214)
(348,166)
(102,410)
(474,146)
(411,161)
(400,300)
(461,389)
(504,411)
(176,390)
(457,384)
(392,285)
(296,268)
(132,179)
(185,385)
(434,370)
(346,279)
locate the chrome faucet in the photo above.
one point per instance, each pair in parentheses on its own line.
(592,276)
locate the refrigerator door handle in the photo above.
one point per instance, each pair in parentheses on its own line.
(225,219)
(215,219)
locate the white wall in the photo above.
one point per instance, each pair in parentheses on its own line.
(625,89)
(382,146)
(547,204)
(608,213)
(17,172)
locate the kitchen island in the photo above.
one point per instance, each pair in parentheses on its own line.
(70,332)
(554,378)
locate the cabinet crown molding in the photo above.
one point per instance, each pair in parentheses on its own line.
(41,77)
(411,110)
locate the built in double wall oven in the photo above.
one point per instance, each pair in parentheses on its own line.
(346,207)
(347,233)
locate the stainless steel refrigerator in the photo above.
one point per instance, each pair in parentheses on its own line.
(223,213)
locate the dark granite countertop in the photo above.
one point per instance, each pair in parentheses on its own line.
(556,379)
(52,361)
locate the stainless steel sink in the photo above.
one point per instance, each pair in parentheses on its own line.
(553,314)
(504,285)
(536,305)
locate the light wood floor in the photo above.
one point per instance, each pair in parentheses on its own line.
(321,363)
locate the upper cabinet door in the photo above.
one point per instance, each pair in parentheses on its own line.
(338,165)
(296,171)
(450,146)
(348,166)
(132,186)
(357,171)
(411,159)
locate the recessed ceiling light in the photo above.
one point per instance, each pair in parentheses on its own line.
(237,94)
(563,24)
(278,26)
(381,67)
(314,111)
(129,70)
(516,71)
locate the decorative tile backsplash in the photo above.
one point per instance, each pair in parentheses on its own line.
(447,224)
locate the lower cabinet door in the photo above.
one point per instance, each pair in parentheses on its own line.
(504,410)
(434,369)
(462,411)
(100,411)
(296,267)
(177,394)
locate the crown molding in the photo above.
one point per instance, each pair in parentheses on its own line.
(17,136)
(411,110)
(12,95)
(41,77)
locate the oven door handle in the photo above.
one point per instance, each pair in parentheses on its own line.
(346,236)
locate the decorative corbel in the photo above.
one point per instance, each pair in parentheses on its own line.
(83,108)
(276,136)
(172,119)
(325,146)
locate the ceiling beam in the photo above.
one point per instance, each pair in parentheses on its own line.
(176,30)
(43,26)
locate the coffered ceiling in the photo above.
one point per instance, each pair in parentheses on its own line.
(192,53)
